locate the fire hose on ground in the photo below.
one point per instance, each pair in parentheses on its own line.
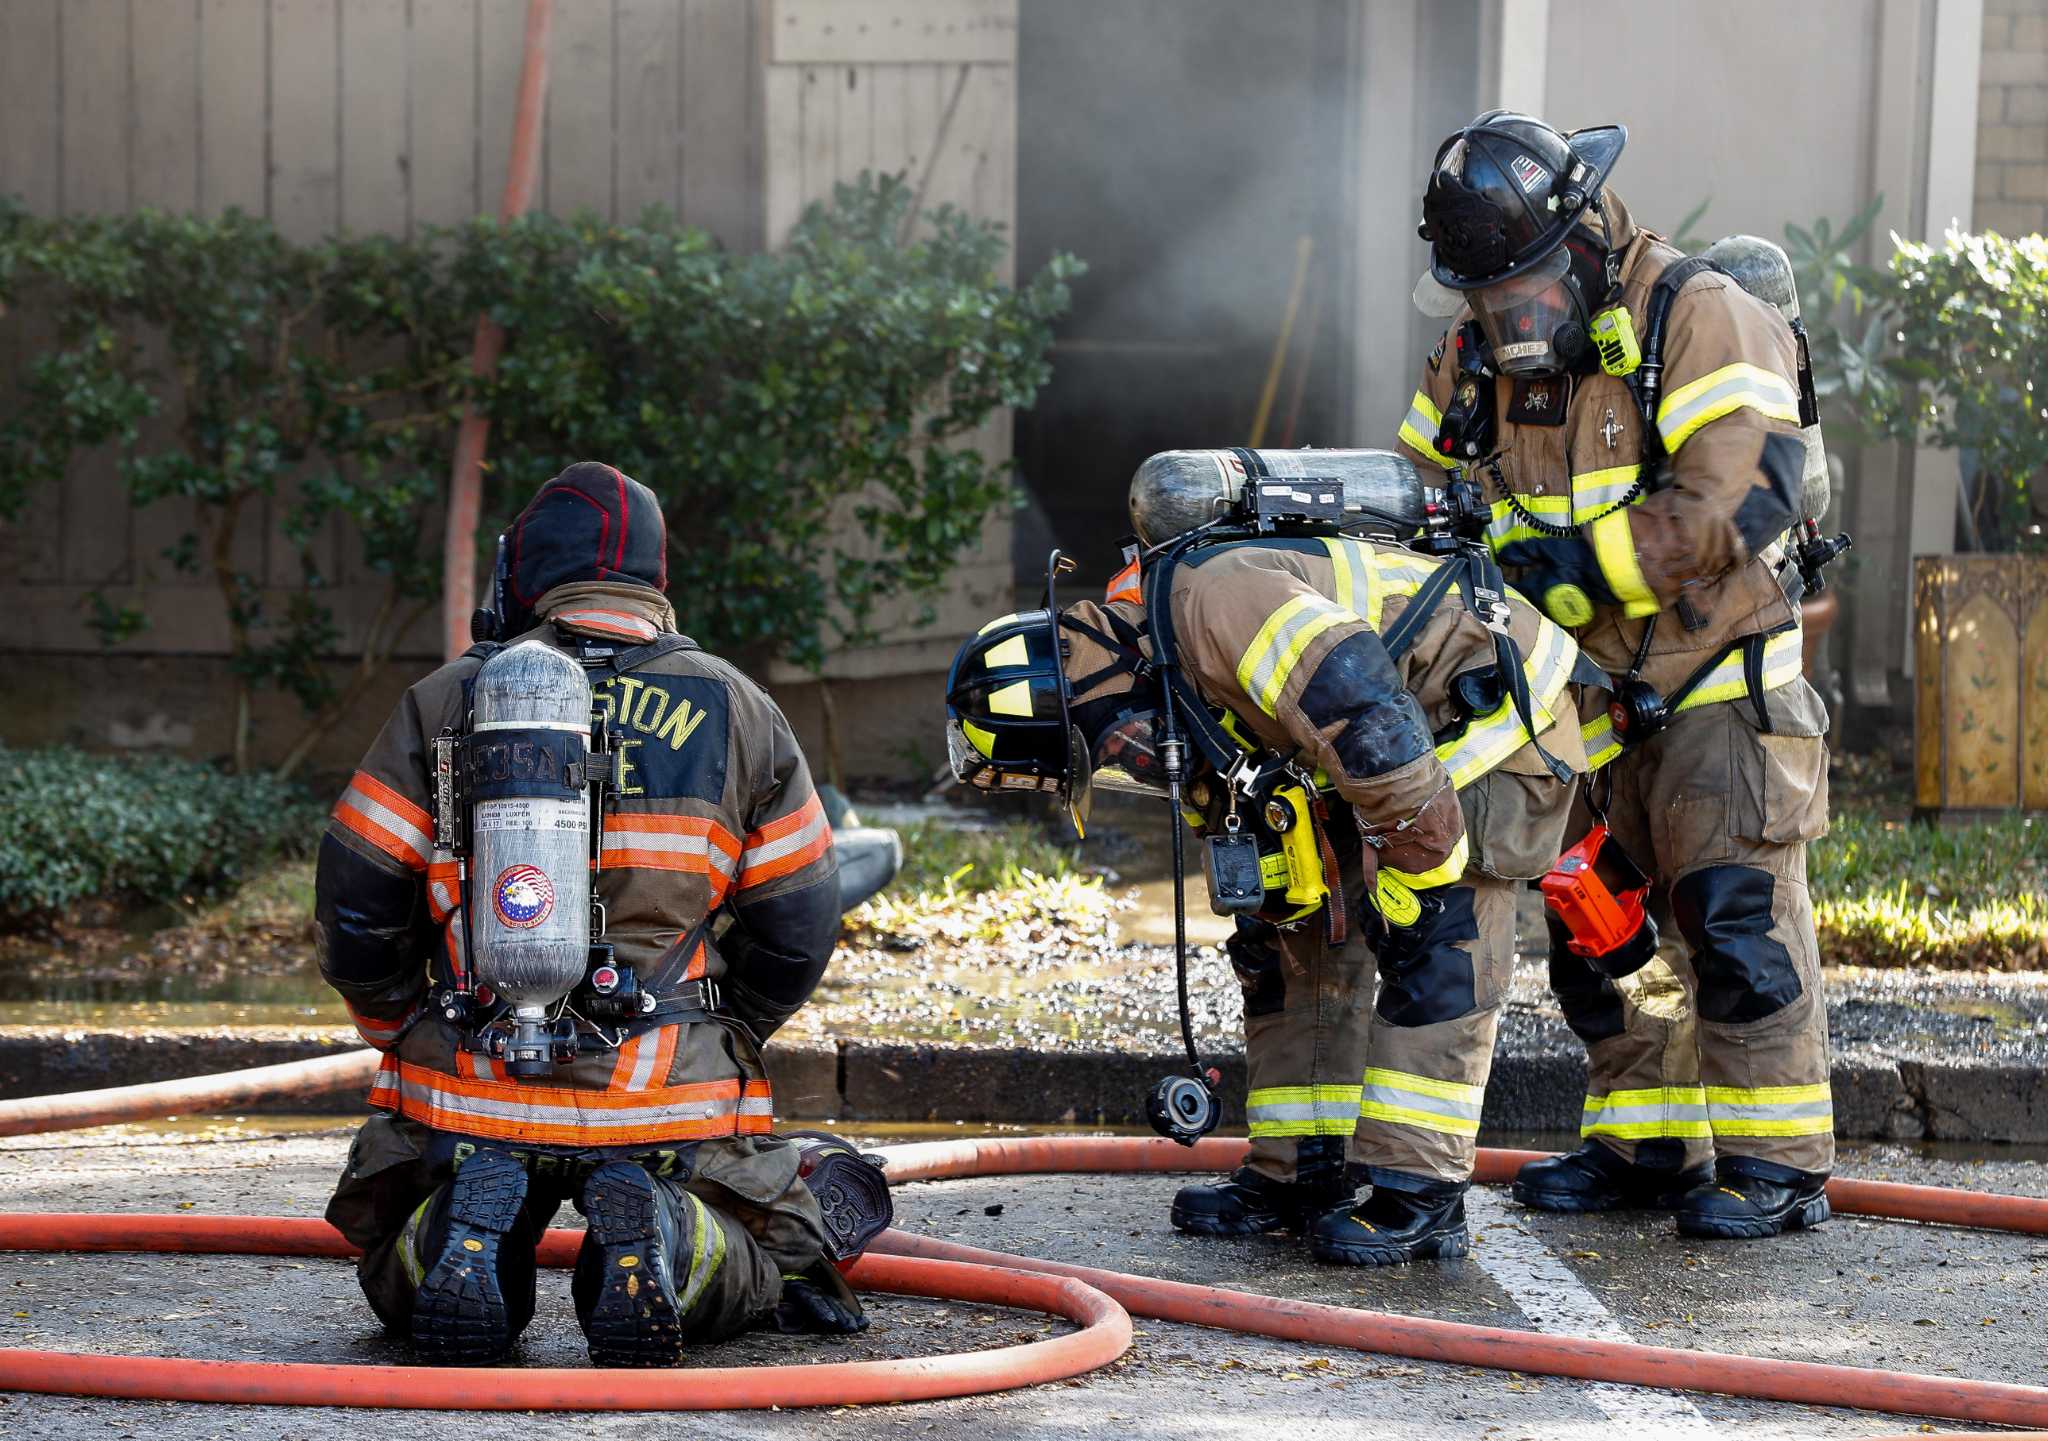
(1100,1302)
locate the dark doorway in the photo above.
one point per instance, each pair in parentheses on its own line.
(1182,148)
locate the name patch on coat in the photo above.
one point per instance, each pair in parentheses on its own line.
(673,734)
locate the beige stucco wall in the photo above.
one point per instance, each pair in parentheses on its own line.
(2012,119)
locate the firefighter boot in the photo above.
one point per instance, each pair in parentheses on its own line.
(625,1282)
(475,1254)
(1594,1178)
(1406,1218)
(1251,1203)
(1749,1198)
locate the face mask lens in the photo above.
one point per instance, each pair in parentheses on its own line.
(1520,316)
(1127,755)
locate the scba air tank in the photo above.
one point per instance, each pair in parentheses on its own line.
(1177,490)
(529,880)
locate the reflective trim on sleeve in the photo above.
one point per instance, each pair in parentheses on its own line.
(378,814)
(1722,392)
(1595,492)
(1602,744)
(786,845)
(1507,526)
(1420,426)
(380,1034)
(1660,1111)
(1771,1110)
(1492,738)
(1399,1098)
(1270,659)
(1614,548)
(1314,1110)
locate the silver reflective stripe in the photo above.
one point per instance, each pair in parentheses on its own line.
(392,821)
(647,1049)
(1782,1111)
(1599,1116)
(796,840)
(670,843)
(1768,392)
(1409,1100)
(609,1118)
(706,1256)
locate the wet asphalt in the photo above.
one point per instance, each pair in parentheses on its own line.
(1858,1292)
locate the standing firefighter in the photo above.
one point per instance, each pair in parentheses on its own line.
(1368,790)
(1635,419)
(548,1036)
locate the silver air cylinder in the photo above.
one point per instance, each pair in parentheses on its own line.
(1764,270)
(1177,490)
(529,880)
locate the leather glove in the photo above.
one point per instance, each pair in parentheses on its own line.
(816,1301)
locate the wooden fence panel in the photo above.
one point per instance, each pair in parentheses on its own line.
(165,163)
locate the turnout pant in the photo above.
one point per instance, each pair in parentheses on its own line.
(743,1216)
(1720,1046)
(1391,1085)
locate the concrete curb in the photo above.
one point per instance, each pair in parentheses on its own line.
(1537,1084)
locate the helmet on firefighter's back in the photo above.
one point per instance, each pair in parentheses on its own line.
(1013,721)
(1504,195)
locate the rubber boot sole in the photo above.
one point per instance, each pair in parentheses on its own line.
(1203,1223)
(459,1313)
(1802,1217)
(634,1320)
(1442,1246)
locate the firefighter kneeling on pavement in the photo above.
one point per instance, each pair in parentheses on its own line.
(653,1121)
(1635,418)
(1429,808)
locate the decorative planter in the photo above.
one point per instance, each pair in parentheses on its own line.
(1980,715)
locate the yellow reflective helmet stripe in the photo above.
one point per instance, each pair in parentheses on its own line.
(1614,548)
(999,620)
(1005,653)
(1013,699)
(982,740)
(1420,426)
(1723,392)
(1270,659)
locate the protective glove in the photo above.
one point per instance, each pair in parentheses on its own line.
(1568,575)
(816,1301)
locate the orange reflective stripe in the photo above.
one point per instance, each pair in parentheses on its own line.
(786,845)
(694,845)
(1124,586)
(695,970)
(607,622)
(565,1115)
(757,1109)
(444,888)
(384,1086)
(382,828)
(480,1066)
(378,1033)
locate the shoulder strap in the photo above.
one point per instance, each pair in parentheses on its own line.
(1421,606)
(1210,739)
(1648,379)
(619,662)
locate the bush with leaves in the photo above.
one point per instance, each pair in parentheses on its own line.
(1971,323)
(335,366)
(149,829)
(766,398)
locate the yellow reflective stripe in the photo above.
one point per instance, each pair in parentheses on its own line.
(982,740)
(1491,739)
(1614,547)
(1315,1110)
(1643,1114)
(1595,491)
(1458,1091)
(1820,1125)
(1602,745)
(1012,699)
(1010,652)
(1506,527)
(1353,563)
(1278,647)
(1783,658)
(1442,874)
(1768,1095)
(1807,1110)
(1395,574)
(999,620)
(1420,1119)
(1722,392)
(1420,426)
(705,1259)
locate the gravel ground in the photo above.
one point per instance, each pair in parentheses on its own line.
(1862,1292)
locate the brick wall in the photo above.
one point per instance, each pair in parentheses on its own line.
(2012,119)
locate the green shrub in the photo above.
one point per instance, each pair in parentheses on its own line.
(1890,893)
(84,827)
(945,859)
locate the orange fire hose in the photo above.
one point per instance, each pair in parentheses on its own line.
(899,1265)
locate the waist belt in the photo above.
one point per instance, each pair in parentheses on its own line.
(1741,670)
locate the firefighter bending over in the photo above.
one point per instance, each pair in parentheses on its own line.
(548,1037)
(1405,803)
(1635,418)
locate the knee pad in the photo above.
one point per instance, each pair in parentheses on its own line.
(1426,976)
(1589,1000)
(1725,914)
(1254,952)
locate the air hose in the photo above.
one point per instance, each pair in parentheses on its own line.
(1101,1302)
